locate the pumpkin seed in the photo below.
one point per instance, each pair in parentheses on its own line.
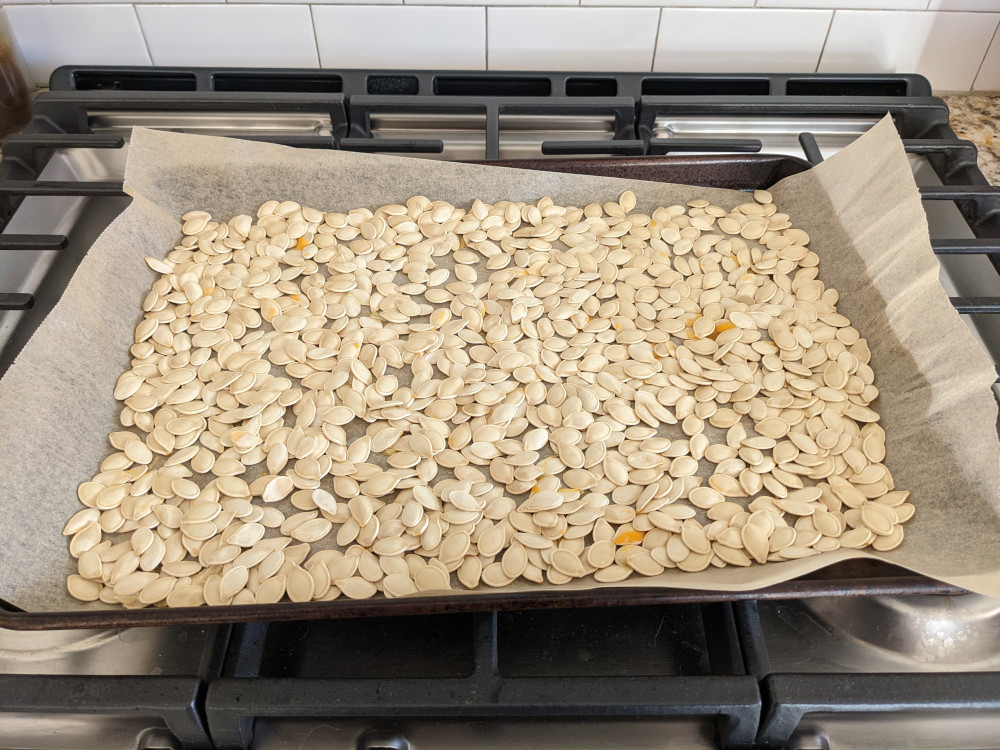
(561,361)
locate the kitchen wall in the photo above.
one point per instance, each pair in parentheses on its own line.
(955,43)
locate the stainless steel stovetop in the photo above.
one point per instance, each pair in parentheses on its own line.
(955,640)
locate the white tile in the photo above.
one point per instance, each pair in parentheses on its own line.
(989,72)
(738,41)
(592,39)
(359,36)
(947,48)
(844,4)
(311,2)
(51,35)
(278,36)
(131,2)
(984,6)
(25,2)
(672,3)
(480,3)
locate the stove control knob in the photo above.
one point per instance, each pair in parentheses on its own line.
(807,739)
(383,740)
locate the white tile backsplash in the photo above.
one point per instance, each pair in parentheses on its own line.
(984,6)
(279,36)
(948,41)
(482,3)
(946,47)
(123,2)
(407,37)
(672,3)
(989,72)
(54,35)
(368,3)
(846,4)
(587,39)
(740,41)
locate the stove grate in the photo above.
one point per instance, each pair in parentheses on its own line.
(719,694)
(91,108)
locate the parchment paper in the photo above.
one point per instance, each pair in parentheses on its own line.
(860,207)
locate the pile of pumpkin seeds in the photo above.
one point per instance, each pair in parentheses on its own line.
(427,396)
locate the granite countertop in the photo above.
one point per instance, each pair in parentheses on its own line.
(977,118)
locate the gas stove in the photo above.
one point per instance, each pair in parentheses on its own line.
(820,673)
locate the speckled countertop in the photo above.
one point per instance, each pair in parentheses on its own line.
(977,118)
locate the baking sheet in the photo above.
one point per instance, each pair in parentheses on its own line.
(860,207)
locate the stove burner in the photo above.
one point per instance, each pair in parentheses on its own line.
(942,632)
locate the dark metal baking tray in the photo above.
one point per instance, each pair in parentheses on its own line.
(852,578)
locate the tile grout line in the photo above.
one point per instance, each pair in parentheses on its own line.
(656,39)
(819,60)
(486,40)
(312,20)
(994,38)
(142,33)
